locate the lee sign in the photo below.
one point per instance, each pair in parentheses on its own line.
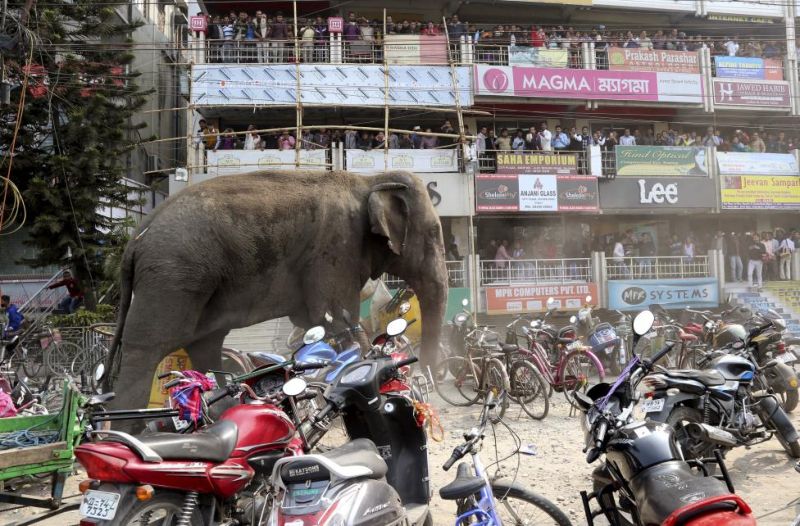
(670,294)
(652,193)
(533,298)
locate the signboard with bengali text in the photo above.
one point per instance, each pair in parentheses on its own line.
(637,59)
(533,298)
(640,161)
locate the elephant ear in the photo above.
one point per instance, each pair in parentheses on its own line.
(388,214)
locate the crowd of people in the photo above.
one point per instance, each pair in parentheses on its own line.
(269,37)
(322,138)
(762,255)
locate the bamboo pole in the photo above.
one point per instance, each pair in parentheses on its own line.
(385,100)
(298,138)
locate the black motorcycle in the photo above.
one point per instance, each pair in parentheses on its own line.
(645,479)
(727,410)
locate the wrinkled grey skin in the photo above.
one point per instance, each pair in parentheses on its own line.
(234,251)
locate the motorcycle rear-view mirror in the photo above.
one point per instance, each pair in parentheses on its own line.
(396,327)
(643,322)
(99,371)
(294,387)
(313,335)
(551,303)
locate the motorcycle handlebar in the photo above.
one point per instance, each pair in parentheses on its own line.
(219,396)
(660,354)
(173,383)
(600,435)
(319,417)
(407,361)
(758,330)
(308,366)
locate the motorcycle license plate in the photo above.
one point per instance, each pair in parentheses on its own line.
(653,405)
(787,357)
(99,505)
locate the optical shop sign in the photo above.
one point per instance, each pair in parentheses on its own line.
(670,294)
(504,300)
(534,193)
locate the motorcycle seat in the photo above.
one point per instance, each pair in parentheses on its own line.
(215,443)
(510,348)
(667,487)
(705,377)
(463,486)
(356,459)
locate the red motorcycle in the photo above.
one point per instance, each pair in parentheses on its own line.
(217,475)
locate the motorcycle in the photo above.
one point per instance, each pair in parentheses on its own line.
(602,337)
(721,401)
(217,475)
(645,479)
(379,478)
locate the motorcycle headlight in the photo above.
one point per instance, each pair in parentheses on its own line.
(404,307)
(460,318)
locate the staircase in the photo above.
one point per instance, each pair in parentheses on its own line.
(781,296)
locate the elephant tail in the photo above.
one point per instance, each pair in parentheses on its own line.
(126,295)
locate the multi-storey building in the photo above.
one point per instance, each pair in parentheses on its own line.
(689,88)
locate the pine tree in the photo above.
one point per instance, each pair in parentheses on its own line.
(76,128)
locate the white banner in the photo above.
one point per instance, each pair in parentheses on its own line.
(418,161)
(538,193)
(741,163)
(449,193)
(231,162)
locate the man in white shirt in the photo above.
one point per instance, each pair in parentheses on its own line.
(771,246)
(732,46)
(545,138)
(785,250)
(627,139)
(480,143)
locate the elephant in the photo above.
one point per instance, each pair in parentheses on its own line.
(241,249)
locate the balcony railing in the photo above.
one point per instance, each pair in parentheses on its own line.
(535,271)
(456,275)
(663,267)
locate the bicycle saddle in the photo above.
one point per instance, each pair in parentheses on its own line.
(463,486)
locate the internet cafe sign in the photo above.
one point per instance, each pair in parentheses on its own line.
(640,161)
(655,193)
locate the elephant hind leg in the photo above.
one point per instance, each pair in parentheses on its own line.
(206,352)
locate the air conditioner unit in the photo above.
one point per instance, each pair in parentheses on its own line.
(153,163)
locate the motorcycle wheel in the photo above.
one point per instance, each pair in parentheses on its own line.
(163,508)
(792,448)
(788,400)
(678,418)
(608,503)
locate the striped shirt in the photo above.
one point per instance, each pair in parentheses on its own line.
(227,31)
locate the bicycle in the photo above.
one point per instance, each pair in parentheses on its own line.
(488,501)
(474,376)
(526,384)
(566,364)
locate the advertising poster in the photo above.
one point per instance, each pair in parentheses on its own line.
(748,68)
(640,161)
(742,163)
(537,163)
(637,59)
(535,193)
(537,56)
(533,298)
(763,93)
(231,162)
(415,49)
(760,192)
(425,161)
(555,83)
(670,294)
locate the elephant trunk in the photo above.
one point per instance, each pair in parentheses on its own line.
(431,289)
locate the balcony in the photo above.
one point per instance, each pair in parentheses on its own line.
(664,267)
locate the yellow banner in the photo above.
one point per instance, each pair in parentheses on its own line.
(176,361)
(761,191)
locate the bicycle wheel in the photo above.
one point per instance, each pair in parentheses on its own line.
(58,356)
(33,362)
(529,389)
(580,371)
(519,506)
(86,358)
(496,380)
(456,381)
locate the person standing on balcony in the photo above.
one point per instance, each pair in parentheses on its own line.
(710,139)
(648,139)
(323,139)
(647,251)
(503,142)
(430,30)
(756,252)
(786,248)
(675,246)
(321,39)
(733,249)
(252,141)
(731,47)
(627,139)
(771,259)
(307,42)
(228,32)
(644,41)
(480,142)
(737,146)
(618,258)
(405,142)
(545,138)
(771,50)
(518,144)
(502,258)
(429,142)
(631,41)
(351,30)
(538,37)
(263,31)
(286,141)
(757,144)
(575,140)
(279,36)
(688,249)
(560,140)
(455,28)
(226,141)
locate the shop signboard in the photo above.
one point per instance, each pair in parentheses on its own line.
(449,193)
(742,163)
(232,162)
(372,161)
(538,56)
(415,49)
(533,298)
(760,93)
(640,161)
(638,59)
(537,163)
(669,293)
(557,83)
(760,192)
(658,193)
(198,23)
(748,68)
(535,193)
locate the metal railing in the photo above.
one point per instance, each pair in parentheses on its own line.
(663,267)
(285,52)
(456,273)
(534,271)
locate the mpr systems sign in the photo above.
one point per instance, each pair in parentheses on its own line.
(670,294)
(653,193)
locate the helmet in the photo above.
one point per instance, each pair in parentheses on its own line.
(729,334)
